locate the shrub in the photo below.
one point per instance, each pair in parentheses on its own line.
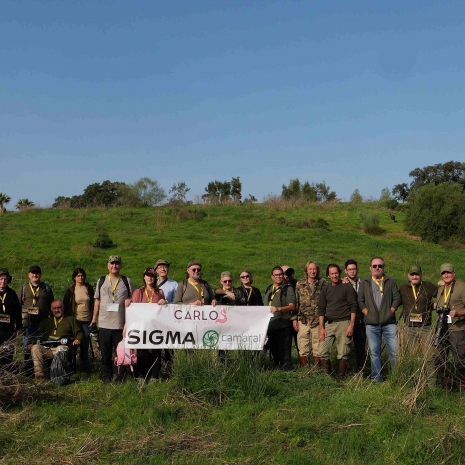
(391,204)
(103,241)
(370,222)
(437,212)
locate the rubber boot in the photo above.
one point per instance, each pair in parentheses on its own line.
(326,365)
(317,361)
(343,366)
(303,361)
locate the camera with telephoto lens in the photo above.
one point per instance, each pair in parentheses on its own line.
(49,343)
(441,325)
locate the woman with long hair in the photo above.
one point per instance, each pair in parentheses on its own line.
(149,360)
(79,303)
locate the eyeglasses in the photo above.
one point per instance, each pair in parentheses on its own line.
(227,281)
(196,269)
(377,266)
(280,275)
(245,276)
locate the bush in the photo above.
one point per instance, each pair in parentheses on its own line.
(437,213)
(370,222)
(391,204)
(103,241)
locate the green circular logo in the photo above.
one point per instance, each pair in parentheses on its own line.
(210,338)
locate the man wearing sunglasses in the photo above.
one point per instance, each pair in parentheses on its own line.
(194,290)
(452,295)
(417,302)
(379,298)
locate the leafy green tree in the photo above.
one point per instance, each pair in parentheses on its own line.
(450,172)
(221,192)
(4,199)
(178,193)
(401,192)
(385,195)
(437,212)
(148,192)
(356,197)
(24,203)
(318,192)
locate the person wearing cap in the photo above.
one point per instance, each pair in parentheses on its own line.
(54,327)
(11,323)
(417,306)
(379,298)
(248,294)
(281,299)
(360,335)
(452,296)
(307,294)
(149,360)
(194,290)
(167,285)
(112,295)
(169,288)
(36,298)
(78,302)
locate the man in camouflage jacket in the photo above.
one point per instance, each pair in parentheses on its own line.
(307,294)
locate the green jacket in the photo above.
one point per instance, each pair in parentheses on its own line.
(391,298)
(67,327)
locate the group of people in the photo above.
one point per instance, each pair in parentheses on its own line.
(317,312)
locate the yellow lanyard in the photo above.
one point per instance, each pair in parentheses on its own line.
(3,301)
(415,295)
(34,294)
(273,294)
(113,288)
(199,292)
(248,295)
(151,297)
(56,325)
(446,295)
(379,284)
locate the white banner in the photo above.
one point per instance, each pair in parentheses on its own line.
(177,326)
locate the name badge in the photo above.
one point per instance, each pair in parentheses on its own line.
(416,318)
(113,308)
(33,310)
(4,318)
(449,319)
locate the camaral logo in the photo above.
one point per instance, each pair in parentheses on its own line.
(210,338)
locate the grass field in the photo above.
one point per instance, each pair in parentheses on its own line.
(207,412)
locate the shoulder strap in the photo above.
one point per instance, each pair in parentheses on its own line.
(23,293)
(126,283)
(141,293)
(184,287)
(99,286)
(283,293)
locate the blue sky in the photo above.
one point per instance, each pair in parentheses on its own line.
(353,93)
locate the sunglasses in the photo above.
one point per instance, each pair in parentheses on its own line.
(245,276)
(196,269)
(227,281)
(377,266)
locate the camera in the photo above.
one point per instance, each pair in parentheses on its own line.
(441,325)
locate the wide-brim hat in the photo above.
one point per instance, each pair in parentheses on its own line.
(162,262)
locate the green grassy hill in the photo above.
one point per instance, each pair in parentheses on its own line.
(222,237)
(208,412)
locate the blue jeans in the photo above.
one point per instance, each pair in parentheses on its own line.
(375,335)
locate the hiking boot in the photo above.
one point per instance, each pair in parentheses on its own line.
(303,361)
(343,366)
(326,365)
(317,361)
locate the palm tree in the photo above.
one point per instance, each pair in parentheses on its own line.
(4,199)
(24,203)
